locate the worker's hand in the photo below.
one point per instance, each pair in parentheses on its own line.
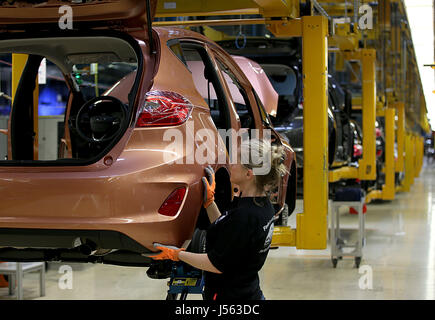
(167,252)
(209,186)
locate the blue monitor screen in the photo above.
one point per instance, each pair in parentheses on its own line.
(51,102)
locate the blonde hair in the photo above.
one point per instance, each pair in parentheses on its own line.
(270,155)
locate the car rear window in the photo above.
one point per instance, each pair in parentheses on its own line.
(71,71)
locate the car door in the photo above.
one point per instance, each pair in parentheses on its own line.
(240,97)
(200,62)
(251,113)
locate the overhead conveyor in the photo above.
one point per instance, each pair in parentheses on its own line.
(366,169)
(283,19)
(389,80)
(397,84)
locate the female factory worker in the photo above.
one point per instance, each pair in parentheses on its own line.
(238,240)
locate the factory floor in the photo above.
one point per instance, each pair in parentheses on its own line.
(399,257)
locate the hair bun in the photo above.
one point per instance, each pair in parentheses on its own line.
(277,158)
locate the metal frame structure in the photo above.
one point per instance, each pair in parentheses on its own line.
(390,83)
(389,80)
(397,82)
(367,165)
(283,19)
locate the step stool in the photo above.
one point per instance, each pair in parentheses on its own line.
(348,197)
(184,280)
(16,271)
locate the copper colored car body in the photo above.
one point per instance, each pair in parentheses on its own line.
(111,208)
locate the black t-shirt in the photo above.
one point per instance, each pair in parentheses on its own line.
(237,245)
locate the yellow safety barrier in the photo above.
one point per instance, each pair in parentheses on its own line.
(409,163)
(367,165)
(389,188)
(312,224)
(400,163)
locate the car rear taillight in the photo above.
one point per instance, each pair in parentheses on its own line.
(173,202)
(379,152)
(163,108)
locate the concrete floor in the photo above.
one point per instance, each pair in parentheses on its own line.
(400,251)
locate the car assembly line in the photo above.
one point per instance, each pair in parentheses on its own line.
(109,126)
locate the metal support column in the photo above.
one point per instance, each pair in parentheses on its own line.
(367,165)
(400,163)
(415,154)
(419,151)
(388,189)
(311,232)
(18,63)
(409,163)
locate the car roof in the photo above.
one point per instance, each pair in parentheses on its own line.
(124,13)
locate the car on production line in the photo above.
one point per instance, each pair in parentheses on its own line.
(124,173)
(371,185)
(281,60)
(357,141)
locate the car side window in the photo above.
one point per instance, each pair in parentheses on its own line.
(42,118)
(207,83)
(238,96)
(264,116)
(175,46)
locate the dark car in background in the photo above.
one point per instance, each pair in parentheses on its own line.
(281,60)
(358,151)
(357,141)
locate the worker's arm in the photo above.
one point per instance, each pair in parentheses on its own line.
(198,260)
(209,191)
(213,212)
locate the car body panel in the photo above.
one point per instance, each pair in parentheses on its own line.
(112,196)
(124,193)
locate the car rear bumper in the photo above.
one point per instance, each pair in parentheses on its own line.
(16,242)
(123,198)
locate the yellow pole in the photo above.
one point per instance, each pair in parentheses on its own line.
(367,165)
(415,162)
(400,164)
(312,227)
(409,163)
(418,154)
(18,63)
(388,189)
(421,152)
